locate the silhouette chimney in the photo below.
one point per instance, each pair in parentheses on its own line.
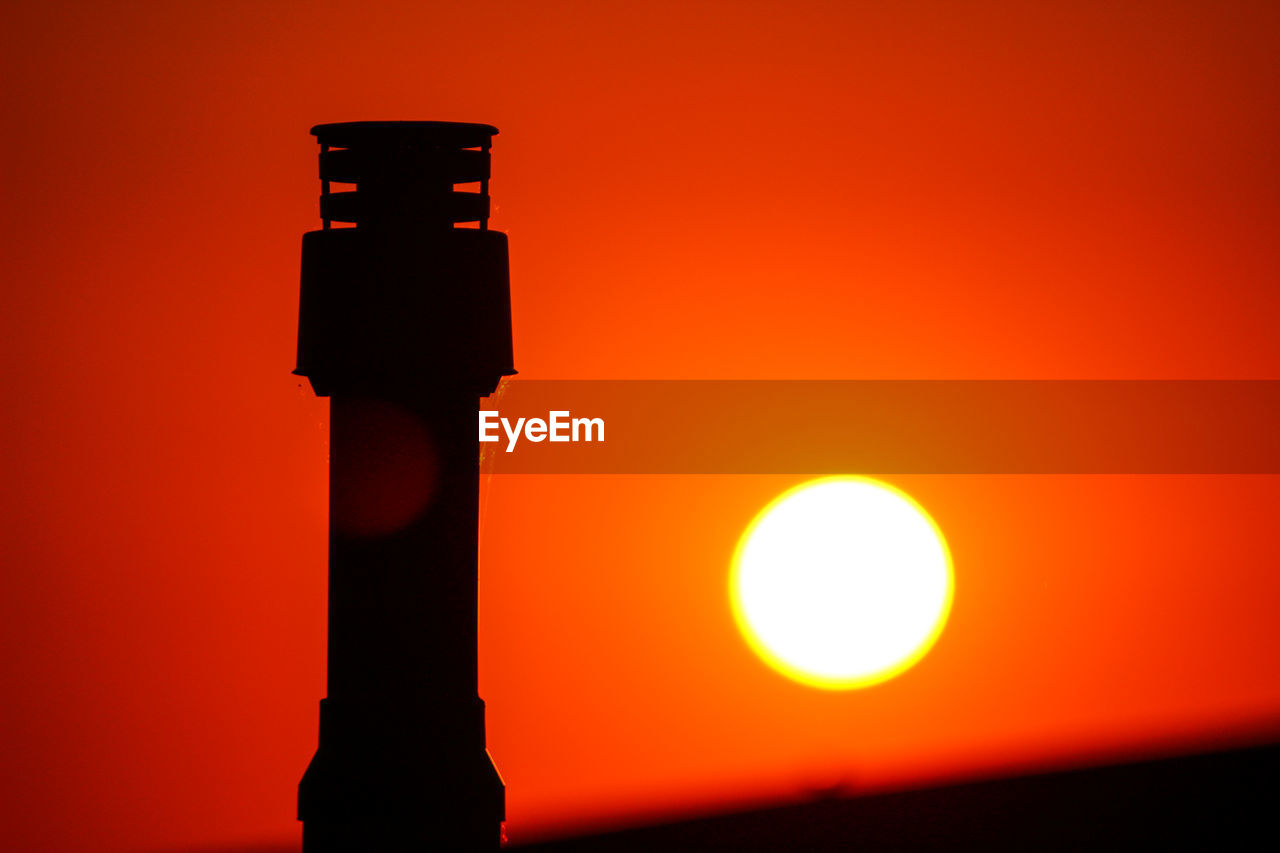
(404,323)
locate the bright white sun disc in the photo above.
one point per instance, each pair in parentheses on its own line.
(841,582)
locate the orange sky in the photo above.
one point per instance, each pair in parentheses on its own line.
(692,190)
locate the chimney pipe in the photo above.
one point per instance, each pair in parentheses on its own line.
(404,323)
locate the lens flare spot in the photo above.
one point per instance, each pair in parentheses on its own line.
(388,463)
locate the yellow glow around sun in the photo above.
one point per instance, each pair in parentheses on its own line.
(841,582)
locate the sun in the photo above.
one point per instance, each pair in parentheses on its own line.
(841,582)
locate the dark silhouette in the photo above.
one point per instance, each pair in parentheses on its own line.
(1224,800)
(405,323)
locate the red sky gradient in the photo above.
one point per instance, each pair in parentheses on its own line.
(692,190)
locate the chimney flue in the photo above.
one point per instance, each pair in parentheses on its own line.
(404,323)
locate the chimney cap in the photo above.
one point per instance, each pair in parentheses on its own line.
(431,134)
